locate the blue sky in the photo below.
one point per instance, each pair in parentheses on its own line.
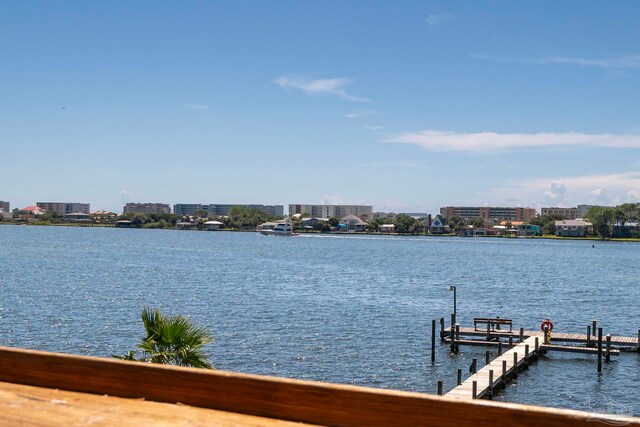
(407,106)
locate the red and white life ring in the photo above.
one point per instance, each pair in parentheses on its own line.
(548,323)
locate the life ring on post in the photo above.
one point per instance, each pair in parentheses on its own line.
(546,322)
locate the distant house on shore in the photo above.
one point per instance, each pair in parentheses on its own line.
(77,217)
(572,228)
(123,223)
(313,222)
(213,225)
(526,230)
(386,228)
(438,225)
(353,223)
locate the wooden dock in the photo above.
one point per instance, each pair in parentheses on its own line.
(496,373)
(630,343)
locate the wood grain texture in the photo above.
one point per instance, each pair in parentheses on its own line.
(277,398)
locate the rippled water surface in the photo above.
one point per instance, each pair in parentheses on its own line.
(345,309)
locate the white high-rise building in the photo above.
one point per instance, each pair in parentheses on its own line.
(327,211)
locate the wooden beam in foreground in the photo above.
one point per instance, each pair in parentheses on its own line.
(278,398)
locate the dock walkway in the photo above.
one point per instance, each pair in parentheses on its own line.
(493,375)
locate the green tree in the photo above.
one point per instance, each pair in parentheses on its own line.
(478,223)
(171,340)
(601,218)
(334,221)
(456,223)
(404,223)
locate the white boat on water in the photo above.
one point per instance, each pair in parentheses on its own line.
(281,229)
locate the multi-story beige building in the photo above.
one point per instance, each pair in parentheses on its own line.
(327,211)
(566,213)
(63,208)
(147,208)
(491,213)
(4,206)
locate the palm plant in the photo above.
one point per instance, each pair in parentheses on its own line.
(171,340)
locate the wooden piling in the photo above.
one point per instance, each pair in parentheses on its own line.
(442,329)
(593,327)
(474,389)
(589,336)
(433,341)
(490,383)
(608,353)
(452,334)
(487,357)
(499,349)
(599,349)
(521,334)
(515,364)
(537,346)
(488,331)
(474,366)
(510,341)
(457,332)
(504,371)
(638,340)
(459,376)
(440,388)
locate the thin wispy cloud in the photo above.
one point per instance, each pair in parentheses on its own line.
(196,107)
(434,19)
(403,164)
(491,141)
(374,127)
(335,86)
(618,62)
(356,114)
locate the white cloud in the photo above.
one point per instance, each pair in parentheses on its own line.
(334,86)
(490,141)
(197,107)
(607,189)
(435,19)
(125,196)
(373,127)
(356,114)
(623,61)
(556,192)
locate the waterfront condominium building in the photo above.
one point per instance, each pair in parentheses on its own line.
(566,213)
(4,206)
(327,211)
(147,208)
(224,209)
(63,208)
(491,213)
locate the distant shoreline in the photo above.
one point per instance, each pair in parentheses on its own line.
(339,233)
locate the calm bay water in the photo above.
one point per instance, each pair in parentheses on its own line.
(344,309)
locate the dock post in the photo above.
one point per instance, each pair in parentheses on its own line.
(488,331)
(499,349)
(474,390)
(515,364)
(608,353)
(459,376)
(490,383)
(638,340)
(589,336)
(599,350)
(474,366)
(521,334)
(452,334)
(504,371)
(537,346)
(593,327)
(457,332)
(526,356)
(487,357)
(433,341)
(442,329)
(439,387)
(510,341)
